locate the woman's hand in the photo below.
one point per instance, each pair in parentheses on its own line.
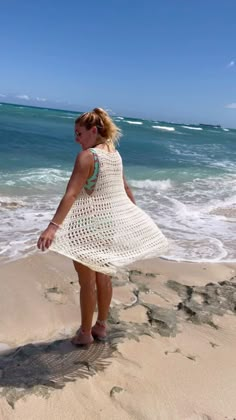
(46,237)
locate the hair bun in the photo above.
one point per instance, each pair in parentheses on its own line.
(99,117)
(100,112)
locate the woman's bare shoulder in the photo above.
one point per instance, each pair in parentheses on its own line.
(84,155)
(84,159)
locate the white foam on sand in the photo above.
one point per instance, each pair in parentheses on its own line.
(4,346)
(22,222)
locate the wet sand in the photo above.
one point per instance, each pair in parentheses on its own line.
(170,352)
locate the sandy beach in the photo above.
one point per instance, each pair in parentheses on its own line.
(170,352)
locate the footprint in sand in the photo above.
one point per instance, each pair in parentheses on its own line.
(213,345)
(189,356)
(55,295)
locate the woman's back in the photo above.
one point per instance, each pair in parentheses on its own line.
(107,179)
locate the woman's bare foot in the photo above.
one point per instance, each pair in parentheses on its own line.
(82,338)
(99,330)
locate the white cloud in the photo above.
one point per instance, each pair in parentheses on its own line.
(40,99)
(231,64)
(231,106)
(26,97)
(2,96)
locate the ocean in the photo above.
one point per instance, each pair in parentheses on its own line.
(183,176)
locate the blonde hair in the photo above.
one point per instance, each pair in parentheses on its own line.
(99,118)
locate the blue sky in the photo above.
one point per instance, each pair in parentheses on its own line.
(167,60)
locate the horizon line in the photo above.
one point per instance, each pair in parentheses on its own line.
(126,117)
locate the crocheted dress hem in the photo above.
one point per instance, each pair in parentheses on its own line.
(97,269)
(115,269)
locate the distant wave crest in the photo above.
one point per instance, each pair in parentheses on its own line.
(191,128)
(37,177)
(134,122)
(162,127)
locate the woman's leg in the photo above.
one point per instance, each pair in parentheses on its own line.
(87,281)
(104,295)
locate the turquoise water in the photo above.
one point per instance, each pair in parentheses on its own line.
(183,176)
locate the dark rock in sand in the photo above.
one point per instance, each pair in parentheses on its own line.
(162,320)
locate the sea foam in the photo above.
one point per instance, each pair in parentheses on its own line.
(152,185)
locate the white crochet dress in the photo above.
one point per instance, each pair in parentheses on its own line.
(105,230)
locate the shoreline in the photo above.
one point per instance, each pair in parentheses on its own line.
(171,351)
(33,254)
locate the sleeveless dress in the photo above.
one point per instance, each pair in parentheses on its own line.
(104,230)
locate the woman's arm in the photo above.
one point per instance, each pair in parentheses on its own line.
(81,172)
(83,169)
(128,191)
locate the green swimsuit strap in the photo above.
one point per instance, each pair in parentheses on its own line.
(91,181)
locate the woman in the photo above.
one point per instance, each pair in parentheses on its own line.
(97,223)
